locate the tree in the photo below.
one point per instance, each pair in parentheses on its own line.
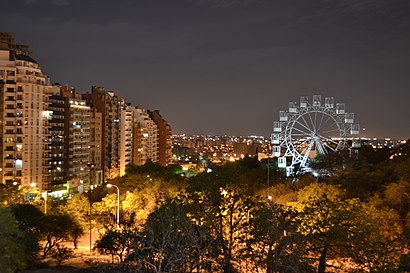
(327,222)
(376,247)
(13,257)
(58,228)
(328,226)
(223,209)
(117,242)
(10,194)
(155,170)
(171,242)
(145,197)
(397,195)
(274,244)
(332,162)
(30,221)
(78,207)
(104,211)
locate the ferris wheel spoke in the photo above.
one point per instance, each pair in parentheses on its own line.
(301,131)
(320,123)
(315,119)
(311,120)
(306,123)
(307,128)
(327,120)
(329,131)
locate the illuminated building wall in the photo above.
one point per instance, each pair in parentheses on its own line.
(164,138)
(127,122)
(110,106)
(24,117)
(145,138)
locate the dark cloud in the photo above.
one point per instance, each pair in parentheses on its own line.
(225,66)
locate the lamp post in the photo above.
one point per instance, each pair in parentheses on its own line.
(44,194)
(91,204)
(118,202)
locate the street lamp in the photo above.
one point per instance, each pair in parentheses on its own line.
(118,202)
(44,194)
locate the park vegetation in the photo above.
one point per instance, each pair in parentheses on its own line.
(237,218)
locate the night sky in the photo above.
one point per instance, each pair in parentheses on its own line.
(227,66)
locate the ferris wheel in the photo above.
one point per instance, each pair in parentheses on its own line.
(307,129)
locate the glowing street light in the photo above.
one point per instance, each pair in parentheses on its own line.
(118,202)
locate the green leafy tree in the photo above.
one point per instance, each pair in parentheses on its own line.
(224,211)
(155,170)
(377,245)
(104,212)
(10,194)
(274,244)
(171,242)
(332,162)
(14,256)
(146,196)
(31,222)
(397,196)
(328,226)
(117,242)
(58,228)
(327,221)
(78,207)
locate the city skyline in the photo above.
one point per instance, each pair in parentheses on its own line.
(226,66)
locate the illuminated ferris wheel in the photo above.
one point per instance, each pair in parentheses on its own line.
(311,128)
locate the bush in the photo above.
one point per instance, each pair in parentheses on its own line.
(61,253)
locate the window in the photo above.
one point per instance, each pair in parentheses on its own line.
(19,163)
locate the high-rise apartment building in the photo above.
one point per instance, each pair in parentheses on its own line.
(145,145)
(110,106)
(57,140)
(24,117)
(164,138)
(70,140)
(77,129)
(126,142)
(96,160)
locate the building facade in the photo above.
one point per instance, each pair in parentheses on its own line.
(145,138)
(164,138)
(126,141)
(24,117)
(110,106)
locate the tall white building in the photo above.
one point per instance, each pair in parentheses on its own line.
(24,117)
(145,138)
(126,141)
